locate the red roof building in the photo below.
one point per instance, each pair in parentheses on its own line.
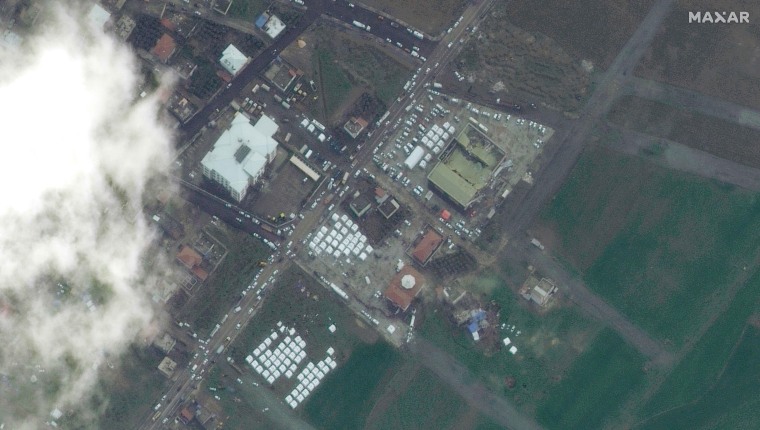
(189,257)
(164,48)
(426,246)
(445,215)
(404,287)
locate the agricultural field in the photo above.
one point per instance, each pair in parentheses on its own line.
(345,68)
(587,30)
(222,288)
(699,379)
(344,400)
(666,248)
(719,60)
(424,402)
(430,16)
(501,60)
(596,387)
(706,133)
(728,402)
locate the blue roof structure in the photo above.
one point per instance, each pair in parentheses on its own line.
(261,20)
(473,327)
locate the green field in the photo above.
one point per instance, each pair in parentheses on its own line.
(248,10)
(332,80)
(596,387)
(345,399)
(705,362)
(665,248)
(223,286)
(426,402)
(729,402)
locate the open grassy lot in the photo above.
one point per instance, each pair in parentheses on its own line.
(588,30)
(706,362)
(222,288)
(430,16)
(665,248)
(344,400)
(547,344)
(505,61)
(596,387)
(345,65)
(720,60)
(425,402)
(332,81)
(309,314)
(248,10)
(716,136)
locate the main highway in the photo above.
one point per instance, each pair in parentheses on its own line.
(184,384)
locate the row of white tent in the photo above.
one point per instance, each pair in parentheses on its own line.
(283,359)
(309,379)
(342,239)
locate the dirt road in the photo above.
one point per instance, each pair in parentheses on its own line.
(592,304)
(568,144)
(466,385)
(694,101)
(674,155)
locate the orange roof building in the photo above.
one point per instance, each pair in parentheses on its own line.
(404,287)
(426,246)
(164,48)
(189,257)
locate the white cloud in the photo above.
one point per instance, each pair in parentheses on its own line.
(76,145)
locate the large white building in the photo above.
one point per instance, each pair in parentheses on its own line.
(233,60)
(241,154)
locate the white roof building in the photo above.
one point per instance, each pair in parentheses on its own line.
(241,154)
(274,27)
(233,60)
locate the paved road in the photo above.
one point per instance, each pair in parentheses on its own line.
(466,385)
(694,101)
(522,208)
(681,157)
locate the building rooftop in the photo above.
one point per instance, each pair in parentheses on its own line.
(242,151)
(425,248)
(165,47)
(233,60)
(397,293)
(189,257)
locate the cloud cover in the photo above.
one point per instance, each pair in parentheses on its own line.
(78,150)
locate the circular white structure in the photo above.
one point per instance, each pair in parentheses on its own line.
(408,282)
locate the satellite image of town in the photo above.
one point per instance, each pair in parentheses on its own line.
(381,215)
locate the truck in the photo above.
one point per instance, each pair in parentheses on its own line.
(437,85)
(418,35)
(220,349)
(537,244)
(360,25)
(345,178)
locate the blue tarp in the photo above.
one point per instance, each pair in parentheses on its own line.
(260,21)
(473,327)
